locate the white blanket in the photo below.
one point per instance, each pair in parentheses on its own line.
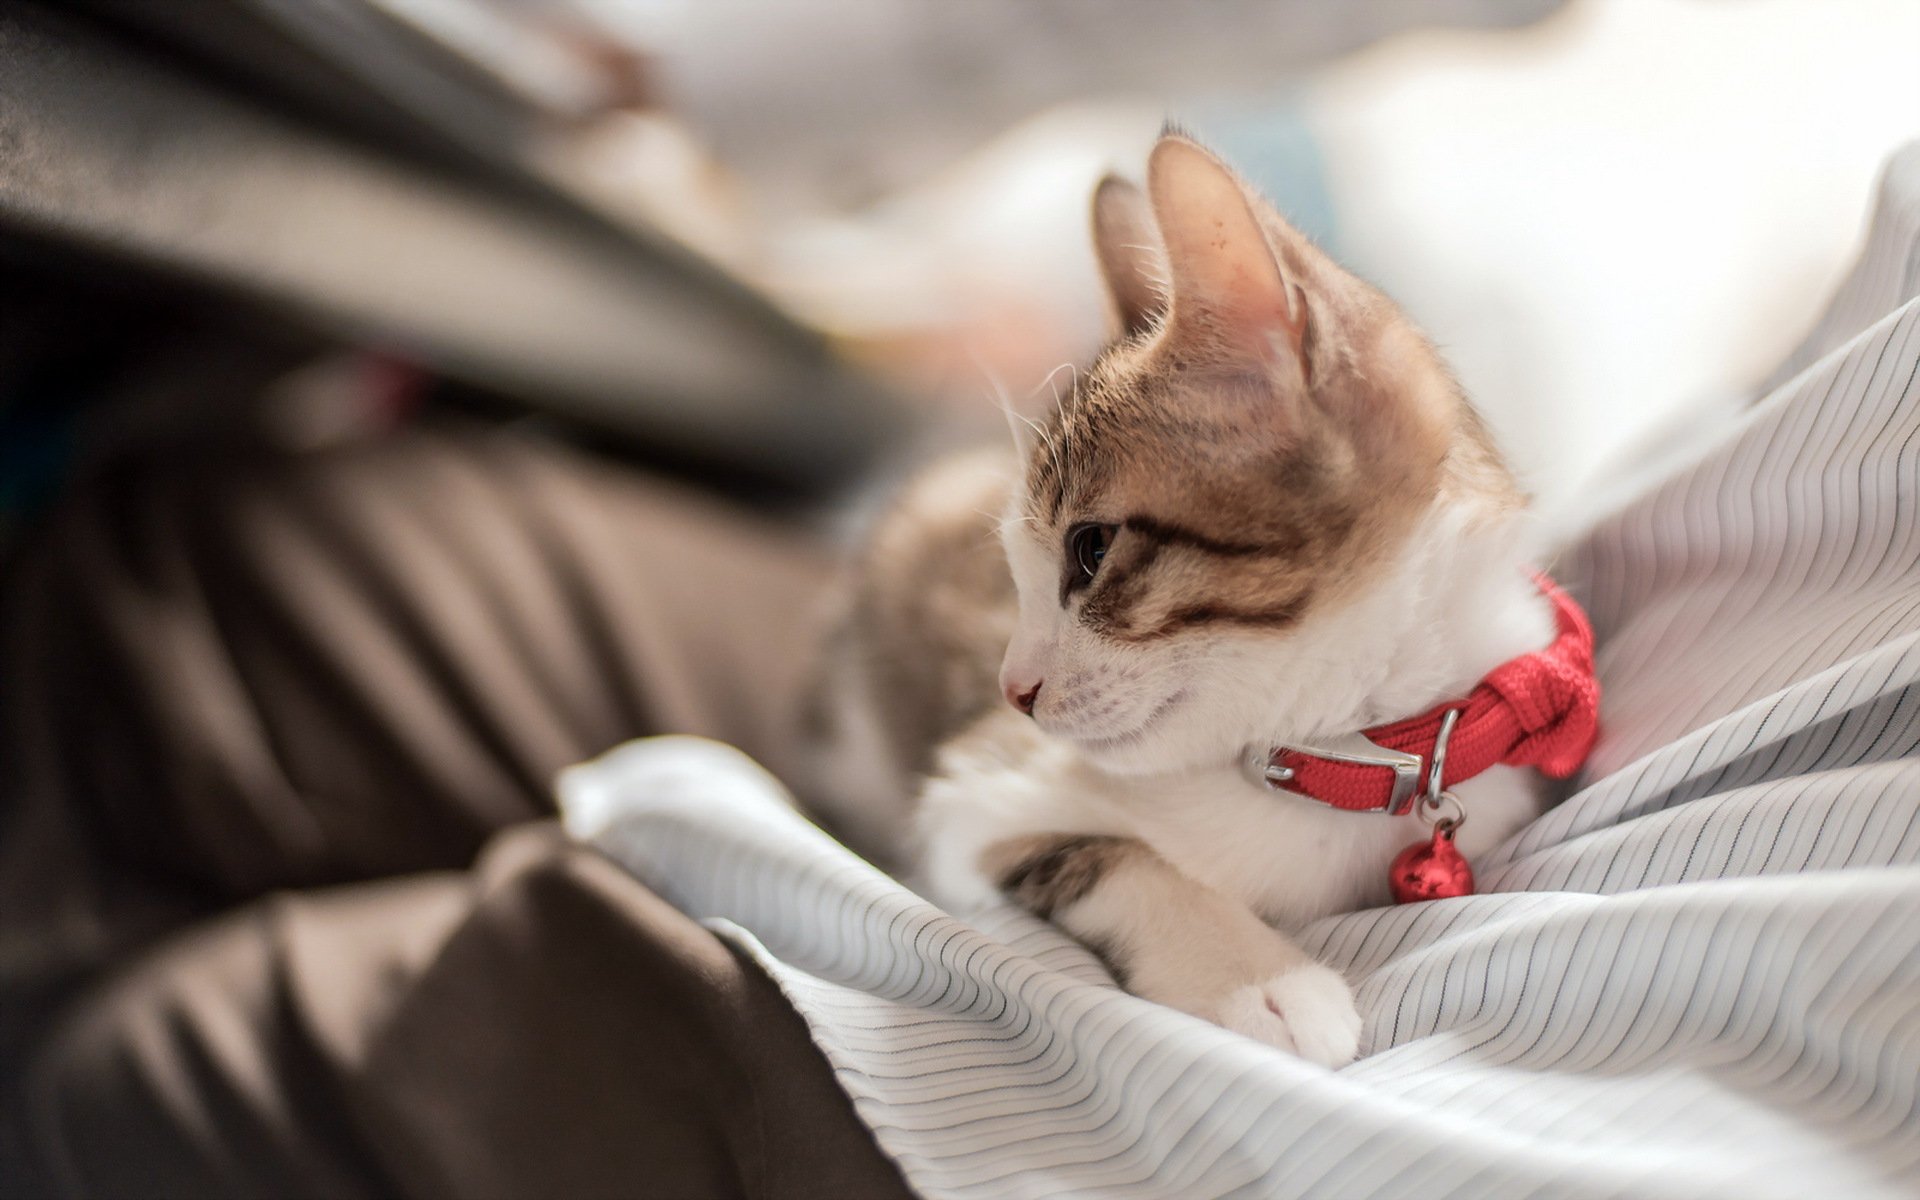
(1698,975)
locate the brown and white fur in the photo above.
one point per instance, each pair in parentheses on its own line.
(1307,532)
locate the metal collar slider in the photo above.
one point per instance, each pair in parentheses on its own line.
(1357,749)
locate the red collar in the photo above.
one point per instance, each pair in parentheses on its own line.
(1539,710)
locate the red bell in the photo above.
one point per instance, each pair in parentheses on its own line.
(1430,870)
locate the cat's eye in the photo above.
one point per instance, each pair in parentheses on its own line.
(1087,547)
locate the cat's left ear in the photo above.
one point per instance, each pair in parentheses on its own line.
(1231,301)
(1131,260)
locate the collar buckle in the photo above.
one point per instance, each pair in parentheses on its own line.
(1359,750)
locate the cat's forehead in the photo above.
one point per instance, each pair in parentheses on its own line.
(1131,434)
(1385,427)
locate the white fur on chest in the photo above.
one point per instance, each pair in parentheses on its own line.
(1288,858)
(1292,859)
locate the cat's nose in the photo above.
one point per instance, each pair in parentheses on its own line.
(1022,700)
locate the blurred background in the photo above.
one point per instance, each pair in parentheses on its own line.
(786,248)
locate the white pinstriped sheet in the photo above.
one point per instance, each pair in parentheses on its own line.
(1699,975)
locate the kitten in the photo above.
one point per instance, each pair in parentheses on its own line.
(1265,515)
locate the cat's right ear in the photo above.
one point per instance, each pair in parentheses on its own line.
(1230,300)
(1127,244)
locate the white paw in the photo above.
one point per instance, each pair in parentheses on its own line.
(1308,1011)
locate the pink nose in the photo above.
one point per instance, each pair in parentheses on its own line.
(1022,700)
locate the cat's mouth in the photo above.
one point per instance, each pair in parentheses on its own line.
(1116,741)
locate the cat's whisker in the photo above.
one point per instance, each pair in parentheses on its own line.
(1048,441)
(1001,520)
(1051,381)
(1004,400)
(1047,380)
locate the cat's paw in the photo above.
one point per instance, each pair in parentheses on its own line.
(1307,1011)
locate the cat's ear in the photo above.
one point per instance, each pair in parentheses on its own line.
(1128,247)
(1230,299)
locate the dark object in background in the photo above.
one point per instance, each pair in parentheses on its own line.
(200,648)
(256,721)
(229,150)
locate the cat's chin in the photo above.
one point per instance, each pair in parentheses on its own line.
(1156,756)
(1154,750)
(1144,742)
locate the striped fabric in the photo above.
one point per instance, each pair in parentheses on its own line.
(1698,975)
